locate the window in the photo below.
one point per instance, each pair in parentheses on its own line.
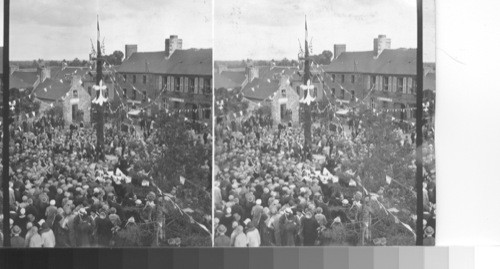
(333,91)
(89,90)
(298,90)
(372,103)
(165,80)
(283,93)
(177,105)
(373,80)
(134,78)
(412,85)
(353,95)
(315,92)
(144,79)
(386,84)
(342,94)
(191,85)
(342,79)
(177,84)
(208,87)
(75,94)
(352,78)
(144,96)
(385,104)
(207,112)
(125,77)
(134,95)
(333,77)
(124,93)
(400,85)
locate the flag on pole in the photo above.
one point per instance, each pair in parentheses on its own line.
(306,26)
(98,30)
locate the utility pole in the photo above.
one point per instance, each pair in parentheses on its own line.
(419,122)
(6,134)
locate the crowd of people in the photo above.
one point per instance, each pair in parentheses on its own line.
(270,190)
(63,194)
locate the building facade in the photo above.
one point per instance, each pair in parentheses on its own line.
(384,78)
(174,79)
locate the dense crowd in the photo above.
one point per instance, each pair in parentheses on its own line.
(271,191)
(63,194)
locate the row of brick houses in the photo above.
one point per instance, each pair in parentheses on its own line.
(384,77)
(177,79)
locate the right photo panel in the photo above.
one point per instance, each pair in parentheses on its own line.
(316,123)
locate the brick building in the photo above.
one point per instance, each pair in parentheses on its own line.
(390,72)
(174,79)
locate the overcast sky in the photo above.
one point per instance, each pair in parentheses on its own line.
(61,29)
(260,29)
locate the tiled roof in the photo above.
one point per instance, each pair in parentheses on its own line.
(17,83)
(144,62)
(236,76)
(51,89)
(390,61)
(28,78)
(190,62)
(260,89)
(430,81)
(268,81)
(181,62)
(221,81)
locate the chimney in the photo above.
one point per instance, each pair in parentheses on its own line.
(43,72)
(171,44)
(338,49)
(380,44)
(252,72)
(129,50)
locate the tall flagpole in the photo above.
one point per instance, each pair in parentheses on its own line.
(6,134)
(99,107)
(307,107)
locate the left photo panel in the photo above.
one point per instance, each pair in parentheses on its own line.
(110,123)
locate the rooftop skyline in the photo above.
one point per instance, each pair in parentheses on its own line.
(62,29)
(271,30)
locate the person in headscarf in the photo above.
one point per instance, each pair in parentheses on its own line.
(253,235)
(241,239)
(47,235)
(35,240)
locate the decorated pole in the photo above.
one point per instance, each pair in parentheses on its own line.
(307,87)
(6,108)
(99,97)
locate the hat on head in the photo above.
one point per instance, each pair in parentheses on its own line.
(82,211)
(16,230)
(259,201)
(337,220)
(247,221)
(429,231)
(221,229)
(52,202)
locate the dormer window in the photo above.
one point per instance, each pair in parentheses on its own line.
(75,93)
(283,92)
